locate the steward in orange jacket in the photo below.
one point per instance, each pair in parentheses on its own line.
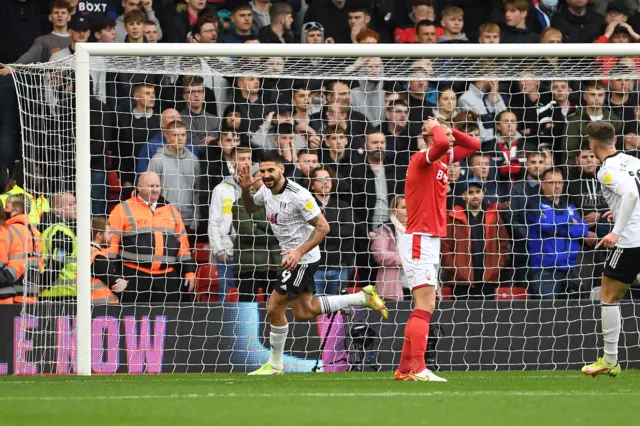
(16,207)
(105,275)
(149,238)
(12,260)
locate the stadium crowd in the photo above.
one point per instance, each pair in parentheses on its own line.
(525,211)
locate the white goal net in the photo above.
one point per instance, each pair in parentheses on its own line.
(519,269)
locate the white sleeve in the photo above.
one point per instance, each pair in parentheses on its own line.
(258,197)
(307,206)
(614,180)
(220,221)
(618,182)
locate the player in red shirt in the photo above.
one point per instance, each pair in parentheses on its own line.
(426,199)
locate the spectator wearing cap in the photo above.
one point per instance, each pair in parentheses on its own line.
(476,246)
(279,28)
(515,18)
(146,6)
(46,45)
(312,33)
(554,234)
(80,30)
(332,15)
(578,21)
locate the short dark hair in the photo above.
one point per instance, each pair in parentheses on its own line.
(241,6)
(202,20)
(476,155)
(60,4)
(397,102)
(134,16)
(148,22)
(358,6)
(175,124)
(143,84)
(279,9)
(321,167)
(307,151)
(424,23)
(102,23)
(192,80)
(602,131)
(284,129)
(270,155)
(552,170)
(98,225)
(593,84)
(506,111)
(521,5)
(417,3)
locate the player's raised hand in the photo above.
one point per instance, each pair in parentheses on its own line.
(245,179)
(608,216)
(290,259)
(609,240)
(428,125)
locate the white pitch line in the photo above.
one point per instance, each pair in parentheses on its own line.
(455,394)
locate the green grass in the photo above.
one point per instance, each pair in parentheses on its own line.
(537,398)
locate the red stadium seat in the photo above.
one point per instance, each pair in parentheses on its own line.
(260,295)
(447,292)
(207,283)
(232,295)
(511,293)
(201,253)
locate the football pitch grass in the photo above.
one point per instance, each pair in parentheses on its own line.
(540,398)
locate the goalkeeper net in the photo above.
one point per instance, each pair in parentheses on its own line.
(511,295)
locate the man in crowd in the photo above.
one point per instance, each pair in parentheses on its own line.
(145,6)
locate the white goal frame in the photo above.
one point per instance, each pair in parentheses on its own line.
(83,54)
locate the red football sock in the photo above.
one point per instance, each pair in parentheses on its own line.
(418,331)
(405,361)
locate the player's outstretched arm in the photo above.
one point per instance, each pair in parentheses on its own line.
(467,145)
(247,181)
(290,258)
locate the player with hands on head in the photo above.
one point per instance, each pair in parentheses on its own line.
(619,176)
(299,226)
(419,248)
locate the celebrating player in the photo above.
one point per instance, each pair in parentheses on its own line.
(297,222)
(419,247)
(620,179)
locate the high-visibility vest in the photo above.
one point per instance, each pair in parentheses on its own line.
(12,259)
(65,283)
(30,238)
(39,205)
(100,292)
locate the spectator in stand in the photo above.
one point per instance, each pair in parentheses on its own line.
(555,229)
(593,110)
(256,251)
(302,117)
(336,249)
(336,155)
(562,109)
(164,237)
(308,160)
(618,32)
(508,149)
(408,31)
(475,99)
(420,98)
(426,32)
(241,31)
(585,192)
(248,100)
(396,130)
(455,188)
(178,168)
(515,17)
(151,32)
(452,21)
(266,136)
(373,184)
(476,247)
(143,6)
(284,141)
(205,30)
(482,171)
(358,17)
(332,15)
(261,14)
(79,30)
(578,21)
(312,33)
(46,45)
(184,20)
(489,33)
(534,107)
(514,213)
(390,279)
(202,127)
(104,30)
(632,136)
(368,98)
(447,102)
(135,130)
(279,29)
(134,27)
(220,229)
(105,275)
(12,260)
(623,98)
(615,11)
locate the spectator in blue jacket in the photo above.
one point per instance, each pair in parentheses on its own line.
(555,231)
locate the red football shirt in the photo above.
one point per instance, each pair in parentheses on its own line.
(426,194)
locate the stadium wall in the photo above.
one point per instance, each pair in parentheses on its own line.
(216,338)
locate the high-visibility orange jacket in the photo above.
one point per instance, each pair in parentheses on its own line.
(100,292)
(12,261)
(29,238)
(153,242)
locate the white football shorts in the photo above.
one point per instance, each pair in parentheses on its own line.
(420,255)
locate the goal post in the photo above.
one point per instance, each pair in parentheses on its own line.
(464,62)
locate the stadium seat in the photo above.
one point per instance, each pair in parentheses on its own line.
(511,293)
(447,292)
(232,295)
(207,283)
(201,253)
(260,295)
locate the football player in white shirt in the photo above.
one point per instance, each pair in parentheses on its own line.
(620,179)
(299,225)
